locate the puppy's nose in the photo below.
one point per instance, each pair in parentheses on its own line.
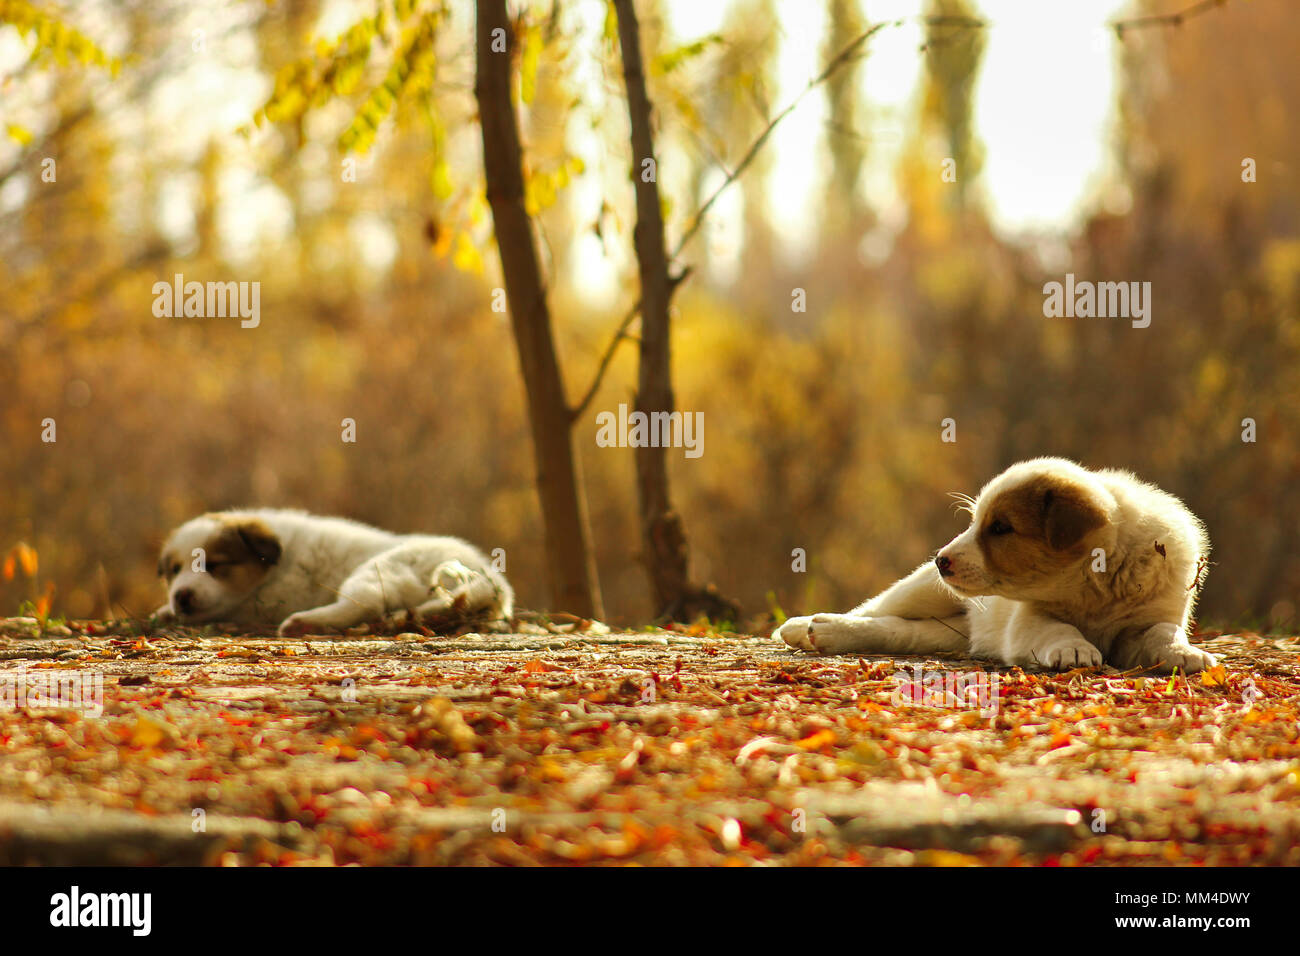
(184,599)
(944,564)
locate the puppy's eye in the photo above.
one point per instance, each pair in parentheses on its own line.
(1000,527)
(176,568)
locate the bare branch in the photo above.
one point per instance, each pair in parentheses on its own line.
(848,53)
(1165,19)
(619,335)
(837,61)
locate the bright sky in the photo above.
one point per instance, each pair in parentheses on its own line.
(1044,108)
(1044,112)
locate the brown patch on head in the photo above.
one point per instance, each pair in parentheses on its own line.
(1072,513)
(168,566)
(242,552)
(1035,525)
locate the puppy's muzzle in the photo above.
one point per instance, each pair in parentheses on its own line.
(185,601)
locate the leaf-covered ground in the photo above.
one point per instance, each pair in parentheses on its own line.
(561,746)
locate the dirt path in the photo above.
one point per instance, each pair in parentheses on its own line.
(687,747)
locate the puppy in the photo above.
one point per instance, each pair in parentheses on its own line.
(305,573)
(1061,567)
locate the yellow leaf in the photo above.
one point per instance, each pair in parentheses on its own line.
(27,558)
(441,179)
(146,733)
(1214,677)
(466,256)
(528,62)
(19,134)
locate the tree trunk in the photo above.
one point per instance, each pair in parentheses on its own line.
(663,537)
(572,571)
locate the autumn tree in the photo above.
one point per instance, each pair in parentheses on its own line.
(567,546)
(663,537)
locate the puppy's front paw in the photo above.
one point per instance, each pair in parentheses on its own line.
(1068,654)
(1188,659)
(795,632)
(296,625)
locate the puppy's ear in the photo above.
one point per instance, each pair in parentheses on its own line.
(1069,513)
(260,541)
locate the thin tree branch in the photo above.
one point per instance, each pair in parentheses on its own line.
(849,52)
(619,335)
(1165,19)
(837,61)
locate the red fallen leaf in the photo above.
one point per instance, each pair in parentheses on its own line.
(45,601)
(313,808)
(822,738)
(536,666)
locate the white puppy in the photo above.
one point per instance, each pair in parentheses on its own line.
(305,573)
(1061,567)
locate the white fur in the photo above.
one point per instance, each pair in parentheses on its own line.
(1135,613)
(333,573)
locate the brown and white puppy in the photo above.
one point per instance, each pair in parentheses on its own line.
(1061,567)
(304,572)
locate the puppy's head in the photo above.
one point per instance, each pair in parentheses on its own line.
(212,564)
(1031,528)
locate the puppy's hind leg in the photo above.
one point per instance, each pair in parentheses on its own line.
(456,587)
(1164,647)
(342,614)
(386,582)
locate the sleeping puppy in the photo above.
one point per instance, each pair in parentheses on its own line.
(1061,567)
(306,573)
